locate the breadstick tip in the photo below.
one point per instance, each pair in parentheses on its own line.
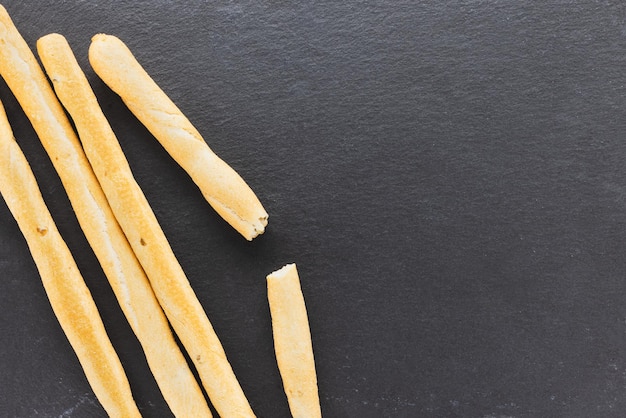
(259,227)
(100,42)
(50,39)
(282,272)
(53,35)
(100,37)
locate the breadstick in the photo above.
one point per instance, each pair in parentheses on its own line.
(143,231)
(69,296)
(222,187)
(128,280)
(292,342)
(25,78)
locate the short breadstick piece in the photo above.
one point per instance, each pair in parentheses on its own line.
(292,342)
(147,240)
(128,280)
(69,296)
(223,188)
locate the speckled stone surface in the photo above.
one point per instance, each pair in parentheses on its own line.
(449,177)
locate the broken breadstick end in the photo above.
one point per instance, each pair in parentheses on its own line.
(259,227)
(250,229)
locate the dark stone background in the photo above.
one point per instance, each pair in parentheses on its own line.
(450,178)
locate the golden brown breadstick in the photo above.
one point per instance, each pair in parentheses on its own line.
(64,285)
(223,188)
(128,280)
(292,342)
(143,232)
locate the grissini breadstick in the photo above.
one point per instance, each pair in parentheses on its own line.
(69,296)
(145,235)
(222,187)
(292,342)
(128,280)
(25,78)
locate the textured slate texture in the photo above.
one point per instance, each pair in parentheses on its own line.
(450,178)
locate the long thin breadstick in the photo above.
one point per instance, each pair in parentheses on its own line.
(223,188)
(128,280)
(144,233)
(69,296)
(292,342)
(25,78)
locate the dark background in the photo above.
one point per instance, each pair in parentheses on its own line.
(450,178)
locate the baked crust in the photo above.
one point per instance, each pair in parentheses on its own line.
(69,296)
(221,186)
(67,292)
(292,342)
(128,280)
(168,281)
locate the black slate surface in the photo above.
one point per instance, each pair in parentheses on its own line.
(450,178)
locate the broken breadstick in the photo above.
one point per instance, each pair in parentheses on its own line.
(222,187)
(292,342)
(144,234)
(68,295)
(128,280)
